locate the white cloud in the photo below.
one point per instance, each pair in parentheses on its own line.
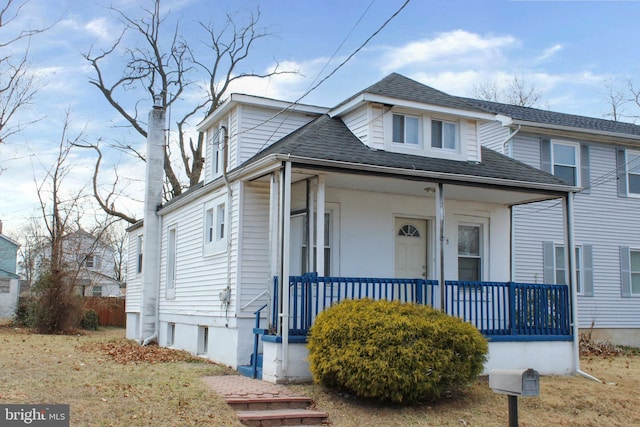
(549,52)
(100,28)
(455,46)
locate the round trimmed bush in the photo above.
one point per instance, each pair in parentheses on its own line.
(393,351)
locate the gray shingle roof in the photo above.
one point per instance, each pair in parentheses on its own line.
(398,86)
(328,138)
(553,118)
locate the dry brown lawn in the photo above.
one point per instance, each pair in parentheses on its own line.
(109,382)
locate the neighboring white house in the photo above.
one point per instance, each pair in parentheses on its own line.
(602,157)
(395,189)
(90,261)
(9,287)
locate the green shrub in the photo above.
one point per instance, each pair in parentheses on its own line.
(393,351)
(25,312)
(90,320)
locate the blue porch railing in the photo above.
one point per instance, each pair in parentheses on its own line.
(511,311)
(502,311)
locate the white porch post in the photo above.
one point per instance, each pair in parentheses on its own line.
(320,196)
(284,273)
(274,248)
(311,213)
(440,240)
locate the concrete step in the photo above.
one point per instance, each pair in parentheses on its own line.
(282,417)
(262,403)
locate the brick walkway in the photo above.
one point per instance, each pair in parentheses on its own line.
(235,386)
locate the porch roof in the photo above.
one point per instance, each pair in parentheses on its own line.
(328,140)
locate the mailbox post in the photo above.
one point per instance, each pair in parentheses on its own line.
(514,383)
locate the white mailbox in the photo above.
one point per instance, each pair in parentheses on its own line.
(515,382)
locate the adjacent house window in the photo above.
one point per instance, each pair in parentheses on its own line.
(561,268)
(633,172)
(139,255)
(171,260)
(470,252)
(443,134)
(215,228)
(96,291)
(5,286)
(406,129)
(565,162)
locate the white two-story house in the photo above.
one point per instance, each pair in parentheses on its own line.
(389,194)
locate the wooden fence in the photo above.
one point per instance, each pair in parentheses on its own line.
(110,310)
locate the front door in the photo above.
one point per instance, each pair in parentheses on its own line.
(411,248)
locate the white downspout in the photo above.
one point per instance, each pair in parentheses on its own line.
(228,211)
(508,139)
(570,239)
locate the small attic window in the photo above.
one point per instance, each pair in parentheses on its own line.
(406,129)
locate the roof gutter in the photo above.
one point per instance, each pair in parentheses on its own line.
(537,125)
(429,174)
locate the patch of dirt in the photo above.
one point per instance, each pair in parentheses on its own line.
(126,351)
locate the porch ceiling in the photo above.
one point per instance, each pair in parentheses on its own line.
(473,193)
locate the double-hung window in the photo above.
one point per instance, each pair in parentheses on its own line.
(406,129)
(634,256)
(633,172)
(215,231)
(561,269)
(216,147)
(139,249)
(443,134)
(565,162)
(470,252)
(172,255)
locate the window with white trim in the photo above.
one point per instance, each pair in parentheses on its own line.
(565,161)
(215,229)
(561,269)
(216,147)
(96,291)
(470,252)
(5,286)
(139,248)
(443,135)
(172,253)
(406,129)
(634,258)
(327,246)
(633,172)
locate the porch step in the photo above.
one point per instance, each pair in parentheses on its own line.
(247,370)
(282,417)
(267,403)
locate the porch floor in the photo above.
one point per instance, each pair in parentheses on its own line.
(259,403)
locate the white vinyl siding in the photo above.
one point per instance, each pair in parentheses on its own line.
(261,127)
(493,135)
(199,279)
(255,277)
(358,123)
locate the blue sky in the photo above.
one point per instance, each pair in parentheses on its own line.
(569,50)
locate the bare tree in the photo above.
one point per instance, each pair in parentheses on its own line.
(517,92)
(623,100)
(17,85)
(57,307)
(161,62)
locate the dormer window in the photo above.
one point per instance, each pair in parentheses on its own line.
(443,134)
(216,153)
(406,129)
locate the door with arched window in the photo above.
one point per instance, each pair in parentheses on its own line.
(410,248)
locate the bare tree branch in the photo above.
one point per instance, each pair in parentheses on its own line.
(160,61)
